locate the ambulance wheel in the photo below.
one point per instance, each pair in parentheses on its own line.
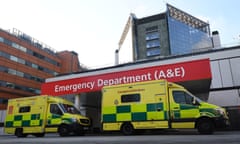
(63,130)
(127,129)
(19,133)
(205,126)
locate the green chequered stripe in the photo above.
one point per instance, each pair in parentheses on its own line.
(58,119)
(23,120)
(177,113)
(55,119)
(210,112)
(206,111)
(135,112)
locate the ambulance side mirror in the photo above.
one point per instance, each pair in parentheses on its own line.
(195,102)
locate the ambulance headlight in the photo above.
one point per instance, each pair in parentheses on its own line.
(74,120)
(220,111)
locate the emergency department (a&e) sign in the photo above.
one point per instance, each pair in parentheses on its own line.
(177,72)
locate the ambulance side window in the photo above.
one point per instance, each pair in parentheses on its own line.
(24,109)
(54,109)
(130,98)
(182,97)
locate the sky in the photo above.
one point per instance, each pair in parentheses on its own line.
(93,28)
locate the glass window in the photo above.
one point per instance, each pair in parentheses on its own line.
(37,91)
(130,98)
(152,35)
(3,69)
(38,55)
(22,48)
(1,39)
(18,73)
(8,42)
(15,45)
(35,66)
(153,43)
(24,109)
(3,101)
(153,52)
(22,61)
(151,29)
(69,109)
(182,97)
(13,58)
(12,71)
(54,109)
(179,97)
(186,39)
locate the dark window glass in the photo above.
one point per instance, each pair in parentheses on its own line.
(182,97)
(3,101)
(130,98)
(24,109)
(153,28)
(54,109)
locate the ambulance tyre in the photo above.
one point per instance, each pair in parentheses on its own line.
(63,130)
(19,133)
(127,129)
(205,126)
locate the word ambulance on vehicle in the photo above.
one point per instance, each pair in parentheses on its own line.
(43,114)
(157,105)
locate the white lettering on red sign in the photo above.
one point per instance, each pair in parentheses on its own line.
(169,73)
(124,80)
(74,87)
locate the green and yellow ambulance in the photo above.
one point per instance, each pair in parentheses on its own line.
(38,115)
(157,105)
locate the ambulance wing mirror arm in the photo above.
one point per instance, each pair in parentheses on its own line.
(195,101)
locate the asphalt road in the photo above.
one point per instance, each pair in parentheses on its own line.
(224,137)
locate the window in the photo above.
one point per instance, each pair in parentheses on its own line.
(15,45)
(18,73)
(182,97)
(12,71)
(22,61)
(152,35)
(1,39)
(130,98)
(22,48)
(153,52)
(3,101)
(153,28)
(34,66)
(54,109)
(153,43)
(24,109)
(10,85)
(69,109)
(13,58)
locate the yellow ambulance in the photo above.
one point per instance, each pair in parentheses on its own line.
(157,105)
(43,114)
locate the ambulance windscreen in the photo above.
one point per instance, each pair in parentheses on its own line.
(70,109)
